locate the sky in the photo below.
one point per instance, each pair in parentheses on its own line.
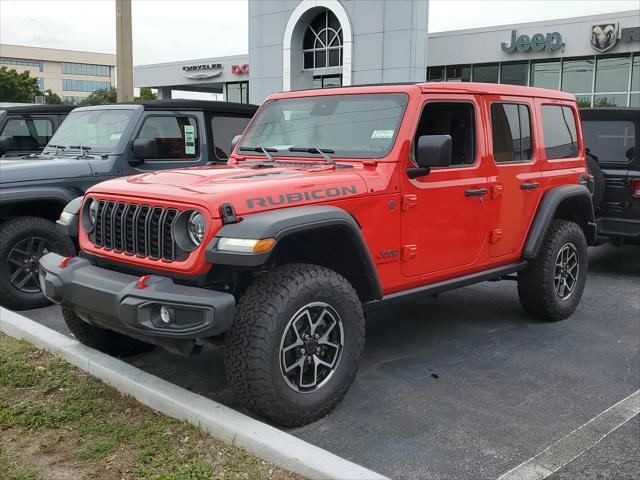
(165,30)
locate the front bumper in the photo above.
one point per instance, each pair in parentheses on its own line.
(116,301)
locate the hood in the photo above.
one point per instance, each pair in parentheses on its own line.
(248,189)
(17,169)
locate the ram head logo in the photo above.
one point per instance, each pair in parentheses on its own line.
(604,37)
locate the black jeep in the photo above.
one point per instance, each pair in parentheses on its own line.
(27,129)
(92,145)
(611,136)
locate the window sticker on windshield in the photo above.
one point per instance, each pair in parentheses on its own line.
(189,140)
(115,136)
(382,134)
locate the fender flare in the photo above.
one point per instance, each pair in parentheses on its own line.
(546,212)
(37,193)
(279,224)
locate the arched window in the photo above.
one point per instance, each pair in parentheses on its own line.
(322,44)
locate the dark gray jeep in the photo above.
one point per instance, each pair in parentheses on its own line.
(94,144)
(612,138)
(28,128)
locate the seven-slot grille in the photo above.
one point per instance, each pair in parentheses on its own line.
(137,229)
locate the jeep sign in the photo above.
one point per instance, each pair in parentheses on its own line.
(552,41)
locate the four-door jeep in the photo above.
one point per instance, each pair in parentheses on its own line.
(334,202)
(94,144)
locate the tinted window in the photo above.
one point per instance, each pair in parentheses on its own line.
(455,120)
(559,127)
(511,127)
(610,141)
(29,134)
(224,129)
(176,137)
(354,126)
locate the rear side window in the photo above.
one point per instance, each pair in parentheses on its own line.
(29,134)
(559,127)
(224,129)
(511,130)
(176,136)
(610,141)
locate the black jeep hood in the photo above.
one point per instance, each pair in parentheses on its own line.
(16,169)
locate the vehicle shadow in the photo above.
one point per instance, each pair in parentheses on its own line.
(609,259)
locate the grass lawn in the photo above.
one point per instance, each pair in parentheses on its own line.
(58,422)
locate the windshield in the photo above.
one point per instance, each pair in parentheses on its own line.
(350,126)
(100,130)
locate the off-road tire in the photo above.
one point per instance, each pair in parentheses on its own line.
(536,287)
(252,351)
(106,341)
(598,180)
(12,233)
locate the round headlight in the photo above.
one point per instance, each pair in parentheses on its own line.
(89,214)
(196,227)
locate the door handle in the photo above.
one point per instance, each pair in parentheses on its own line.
(529,185)
(476,192)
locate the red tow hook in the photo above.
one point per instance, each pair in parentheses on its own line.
(142,281)
(65,261)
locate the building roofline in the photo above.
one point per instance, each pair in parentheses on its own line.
(542,23)
(190,61)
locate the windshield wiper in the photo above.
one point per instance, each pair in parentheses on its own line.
(321,151)
(84,150)
(55,148)
(264,150)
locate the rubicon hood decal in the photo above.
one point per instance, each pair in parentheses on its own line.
(295,197)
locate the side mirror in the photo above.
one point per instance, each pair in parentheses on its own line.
(234,142)
(431,151)
(7,144)
(144,149)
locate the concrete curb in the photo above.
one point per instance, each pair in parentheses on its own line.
(219,421)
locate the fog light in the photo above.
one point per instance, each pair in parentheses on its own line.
(166,315)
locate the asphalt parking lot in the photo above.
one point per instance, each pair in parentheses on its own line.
(465,386)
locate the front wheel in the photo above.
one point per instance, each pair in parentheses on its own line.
(22,242)
(551,286)
(294,348)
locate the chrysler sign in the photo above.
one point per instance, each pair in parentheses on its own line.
(202,71)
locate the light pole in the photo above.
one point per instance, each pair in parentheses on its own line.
(124,55)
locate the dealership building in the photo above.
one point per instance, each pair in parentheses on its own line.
(72,74)
(324,43)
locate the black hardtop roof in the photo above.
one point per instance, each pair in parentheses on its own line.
(39,108)
(207,105)
(610,113)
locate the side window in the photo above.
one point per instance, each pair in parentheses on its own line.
(559,127)
(29,134)
(176,136)
(612,141)
(511,130)
(455,119)
(224,129)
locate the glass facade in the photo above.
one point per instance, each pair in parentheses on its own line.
(237,92)
(599,80)
(326,81)
(22,63)
(86,69)
(84,85)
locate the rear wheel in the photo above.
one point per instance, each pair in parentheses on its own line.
(293,350)
(551,286)
(106,341)
(22,242)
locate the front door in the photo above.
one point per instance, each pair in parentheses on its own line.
(445,220)
(515,172)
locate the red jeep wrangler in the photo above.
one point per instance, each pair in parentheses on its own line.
(333,203)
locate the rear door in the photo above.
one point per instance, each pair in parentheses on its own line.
(515,172)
